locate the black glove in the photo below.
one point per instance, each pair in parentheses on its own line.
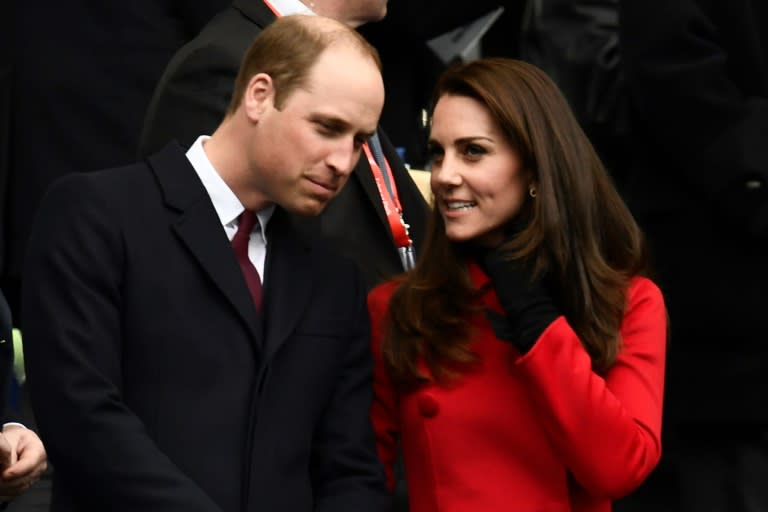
(528,305)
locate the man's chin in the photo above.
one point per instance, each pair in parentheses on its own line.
(311,208)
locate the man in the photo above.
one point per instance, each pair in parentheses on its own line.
(171,371)
(697,73)
(22,455)
(194,92)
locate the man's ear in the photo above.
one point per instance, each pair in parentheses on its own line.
(258,96)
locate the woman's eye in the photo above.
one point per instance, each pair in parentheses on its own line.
(474,150)
(434,154)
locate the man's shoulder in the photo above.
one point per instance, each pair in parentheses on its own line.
(113,184)
(100,179)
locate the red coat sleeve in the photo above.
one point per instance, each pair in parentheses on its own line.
(607,428)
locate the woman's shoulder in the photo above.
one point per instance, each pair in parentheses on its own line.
(644,300)
(643,288)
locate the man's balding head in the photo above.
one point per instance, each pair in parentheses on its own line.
(288,48)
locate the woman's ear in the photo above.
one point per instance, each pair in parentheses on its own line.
(258,96)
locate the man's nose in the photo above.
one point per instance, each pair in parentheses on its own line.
(344,156)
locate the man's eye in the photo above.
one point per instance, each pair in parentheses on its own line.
(328,128)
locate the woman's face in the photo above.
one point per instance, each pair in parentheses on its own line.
(477,178)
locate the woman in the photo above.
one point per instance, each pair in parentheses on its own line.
(521,363)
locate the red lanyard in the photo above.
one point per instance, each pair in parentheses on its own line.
(272,8)
(391,203)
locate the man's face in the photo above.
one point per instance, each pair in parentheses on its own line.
(304,153)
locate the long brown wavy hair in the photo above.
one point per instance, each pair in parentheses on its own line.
(578,232)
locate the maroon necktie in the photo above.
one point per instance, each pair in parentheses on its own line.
(240,245)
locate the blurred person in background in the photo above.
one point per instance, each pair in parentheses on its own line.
(79,80)
(22,455)
(697,73)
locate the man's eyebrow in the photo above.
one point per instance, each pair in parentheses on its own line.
(338,123)
(329,119)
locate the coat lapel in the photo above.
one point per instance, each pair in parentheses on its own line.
(199,229)
(288,281)
(256,11)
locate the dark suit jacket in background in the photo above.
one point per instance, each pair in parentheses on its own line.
(698,77)
(576,42)
(191,98)
(7,41)
(156,385)
(83,74)
(194,90)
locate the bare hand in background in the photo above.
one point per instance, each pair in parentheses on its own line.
(22,460)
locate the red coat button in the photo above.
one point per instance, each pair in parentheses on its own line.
(428,406)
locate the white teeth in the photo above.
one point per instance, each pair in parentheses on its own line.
(460,205)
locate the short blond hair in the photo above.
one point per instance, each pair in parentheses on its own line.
(288,48)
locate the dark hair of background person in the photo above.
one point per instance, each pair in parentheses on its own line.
(579,234)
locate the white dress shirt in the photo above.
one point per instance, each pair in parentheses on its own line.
(288,7)
(228,207)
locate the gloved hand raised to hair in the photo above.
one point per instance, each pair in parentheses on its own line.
(528,305)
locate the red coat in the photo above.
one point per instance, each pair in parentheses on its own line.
(541,432)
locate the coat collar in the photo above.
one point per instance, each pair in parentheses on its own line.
(288,278)
(199,229)
(477,275)
(256,11)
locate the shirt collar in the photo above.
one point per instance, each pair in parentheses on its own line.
(288,7)
(228,207)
